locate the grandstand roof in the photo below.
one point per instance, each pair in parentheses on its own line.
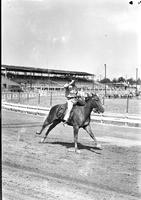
(43,70)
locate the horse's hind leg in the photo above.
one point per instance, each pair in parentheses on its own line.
(49,129)
(89,131)
(45,124)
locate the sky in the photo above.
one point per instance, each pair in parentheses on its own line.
(80,35)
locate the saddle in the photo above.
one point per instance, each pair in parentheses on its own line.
(62,107)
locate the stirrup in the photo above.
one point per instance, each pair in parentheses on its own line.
(65,123)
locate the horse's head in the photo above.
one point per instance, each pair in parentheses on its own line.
(96,103)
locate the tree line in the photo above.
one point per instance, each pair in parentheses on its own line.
(129,81)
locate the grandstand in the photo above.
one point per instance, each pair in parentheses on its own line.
(21,78)
(9,85)
(31,78)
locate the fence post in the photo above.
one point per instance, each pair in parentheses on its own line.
(51,98)
(6,97)
(19,97)
(27,95)
(11,96)
(103,100)
(127,106)
(39,98)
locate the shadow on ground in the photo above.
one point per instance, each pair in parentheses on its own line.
(70,145)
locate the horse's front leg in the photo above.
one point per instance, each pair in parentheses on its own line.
(89,131)
(75,131)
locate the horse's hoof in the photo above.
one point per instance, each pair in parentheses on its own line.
(98,146)
(74,150)
(71,149)
(78,151)
(42,140)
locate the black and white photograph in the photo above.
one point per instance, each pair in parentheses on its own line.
(71,99)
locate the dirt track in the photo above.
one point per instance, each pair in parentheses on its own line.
(32,170)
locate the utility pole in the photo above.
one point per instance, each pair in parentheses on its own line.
(136,80)
(105,79)
(93,77)
(5,73)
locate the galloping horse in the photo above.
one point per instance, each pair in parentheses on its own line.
(79,118)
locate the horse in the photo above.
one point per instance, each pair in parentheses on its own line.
(79,118)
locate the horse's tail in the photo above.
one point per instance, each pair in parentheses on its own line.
(56,112)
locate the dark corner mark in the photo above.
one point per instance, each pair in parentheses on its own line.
(131,2)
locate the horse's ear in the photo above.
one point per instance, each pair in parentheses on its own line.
(93,94)
(96,97)
(87,97)
(88,94)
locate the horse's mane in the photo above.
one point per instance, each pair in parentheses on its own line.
(91,96)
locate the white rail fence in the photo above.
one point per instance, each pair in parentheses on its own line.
(108,118)
(28,95)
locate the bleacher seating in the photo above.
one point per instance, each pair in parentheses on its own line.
(28,82)
(45,81)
